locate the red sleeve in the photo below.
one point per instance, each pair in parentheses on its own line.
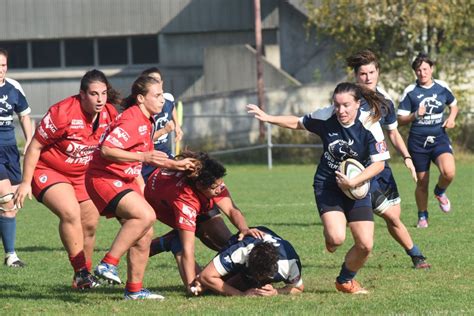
(52,127)
(186,209)
(122,136)
(224,193)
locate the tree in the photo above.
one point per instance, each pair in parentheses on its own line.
(397,30)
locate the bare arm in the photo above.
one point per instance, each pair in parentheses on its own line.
(210,278)
(177,130)
(291,122)
(228,207)
(269,290)
(187,261)
(399,144)
(451,120)
(371,171)
(29,164)
(26,126)
(169,127)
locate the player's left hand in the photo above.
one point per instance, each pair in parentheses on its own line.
(254,232)
(266,290)
(178,134)
(343,182)
(449,123)
(411,167)
(186,164)
(195,288)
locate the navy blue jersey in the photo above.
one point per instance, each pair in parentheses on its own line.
(434,98)
(12,100)
(363,141)
(388,119)
(166,115)
(233,258)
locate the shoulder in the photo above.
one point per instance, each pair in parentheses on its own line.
(407,90)
(384,93)
(442,84)
(322,114)
(15,84)
(371,126)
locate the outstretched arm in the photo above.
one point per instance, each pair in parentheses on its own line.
(286,121)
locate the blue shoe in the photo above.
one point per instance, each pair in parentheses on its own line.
(143,294)
(107,272)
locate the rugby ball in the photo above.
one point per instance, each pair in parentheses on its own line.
(352,168)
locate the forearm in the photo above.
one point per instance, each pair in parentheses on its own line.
(31,160)
(290,290)
(286,121)
(406,119)
(398,142)
(453,112)
(371,171)
(238,220)
(120,155)
(25,122)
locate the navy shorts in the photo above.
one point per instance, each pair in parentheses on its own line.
(147,170)
(425,149)
(10,164)
(333,199)
(384,191)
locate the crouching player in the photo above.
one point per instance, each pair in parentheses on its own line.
(249,267)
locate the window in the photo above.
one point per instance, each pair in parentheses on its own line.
(79,52)
(113,51)
(46,54)
(17,54)
(145,49)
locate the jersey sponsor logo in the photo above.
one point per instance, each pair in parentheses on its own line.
(41,131)
(381,147)
(79,150)
(8,106)
(134,171)
(43,178)
(142,130)
(77,124)
(185,221)
(118,183)
(341,149)
(189,212)
(420,96)
(120,133)
(114,141)
(332,134)
(48,123)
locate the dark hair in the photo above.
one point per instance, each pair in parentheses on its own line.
(362,58)
(140,86)
(151,70)
(374,101)
(207,169)
(94,75)
(3,52)
(262,263)
(421,58)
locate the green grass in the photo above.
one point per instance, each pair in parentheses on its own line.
(281,199)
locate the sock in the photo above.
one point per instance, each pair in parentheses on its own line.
(134,287)
(78,261)
(88,265)
(439,191)
(110,259)
(414,252)
(8,231)
(345,275)
(163,243)
(423,214)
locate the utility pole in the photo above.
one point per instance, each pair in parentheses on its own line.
(258,44)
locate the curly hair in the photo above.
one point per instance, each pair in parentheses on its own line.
(262,264)
(207,169)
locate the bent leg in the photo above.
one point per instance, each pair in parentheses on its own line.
(89,220)
(447,169)
(334,223)
(214,233)
(363,234)
(396,228)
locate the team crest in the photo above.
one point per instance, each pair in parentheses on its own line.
(341,149)
(43,178)
(118,183)
(381,147)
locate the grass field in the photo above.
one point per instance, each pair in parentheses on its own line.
(281,199)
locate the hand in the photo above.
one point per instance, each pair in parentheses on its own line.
(195,288)
(259,114)
(178,134)
(421,111)
(343,182)
(169,126)
(23,190)
(449,123)
(266,290)
(411,167)
(185,164)
(255,233)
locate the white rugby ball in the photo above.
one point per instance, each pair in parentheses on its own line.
(352,168)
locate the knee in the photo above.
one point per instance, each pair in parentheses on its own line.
(448,174)
(365,247)
(333,242)
(70,216)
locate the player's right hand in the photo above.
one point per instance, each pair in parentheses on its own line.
(23,190)
(155,157)
(257,112)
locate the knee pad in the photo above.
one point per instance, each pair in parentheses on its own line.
(380,203)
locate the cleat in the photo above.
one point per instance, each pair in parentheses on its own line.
(143,294)
(83,279)
(107,272)
(419,262)
(444,203)
(12,261)
(351,287)
(422,222)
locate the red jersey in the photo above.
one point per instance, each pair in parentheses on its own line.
(132,132)
(176,203)
(69,138)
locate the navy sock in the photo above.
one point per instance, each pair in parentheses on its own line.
(8,231)
(414,252)
(439,191)
(423,214)
(345,275)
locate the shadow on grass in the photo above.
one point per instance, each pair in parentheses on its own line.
(43,248)
(269,224)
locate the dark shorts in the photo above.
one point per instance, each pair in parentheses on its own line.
(147,170)
(425,149)
(384,191)
(10,164)
(332,199)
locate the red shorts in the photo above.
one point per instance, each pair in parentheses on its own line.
(103,191)
(43,178)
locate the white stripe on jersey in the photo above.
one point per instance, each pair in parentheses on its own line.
(384,93)
(25,112)
(403,112)
(445,85)
(16,84)
(407,90)
(289,270)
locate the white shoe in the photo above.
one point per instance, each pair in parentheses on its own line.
(12,261)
